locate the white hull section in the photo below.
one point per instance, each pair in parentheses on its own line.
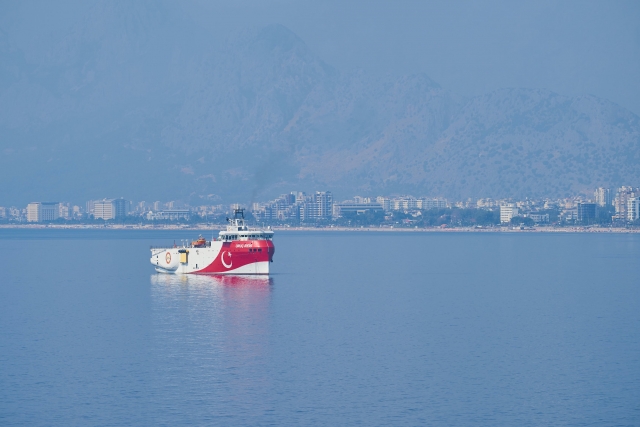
(260,267)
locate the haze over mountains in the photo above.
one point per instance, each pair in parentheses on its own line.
(131,102)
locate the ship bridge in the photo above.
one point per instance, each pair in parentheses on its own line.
(238,230)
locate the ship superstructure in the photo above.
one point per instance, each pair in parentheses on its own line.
(237,250)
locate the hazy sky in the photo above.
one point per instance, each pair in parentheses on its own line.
(469,47)
(131,51)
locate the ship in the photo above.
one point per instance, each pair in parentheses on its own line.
(237,250)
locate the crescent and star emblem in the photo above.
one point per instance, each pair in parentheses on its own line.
(224,263)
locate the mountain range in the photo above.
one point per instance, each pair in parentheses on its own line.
(131,102)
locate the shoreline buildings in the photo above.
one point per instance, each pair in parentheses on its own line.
(621,201)
(319,207)
(43,211)
(507,212)
(633,209)
(586,213)
(110,208)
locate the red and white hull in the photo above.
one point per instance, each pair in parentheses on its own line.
(219,257)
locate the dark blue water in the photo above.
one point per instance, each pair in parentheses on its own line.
(351,329)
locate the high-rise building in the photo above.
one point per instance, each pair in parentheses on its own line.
(103,209)
(620,202)
(324,204)
(586,212)
(507,212)
(633,208)
(603,196)
(110,209)
(43,211)
(320,207)
(50,211)
(89,207)
(33,212)
(64,210)
(385,202)
(120,207)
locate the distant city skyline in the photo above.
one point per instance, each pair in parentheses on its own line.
(605,206)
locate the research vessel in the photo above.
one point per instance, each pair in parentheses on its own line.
(237,250)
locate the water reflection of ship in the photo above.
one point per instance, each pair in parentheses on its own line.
(217,320)
(214,295)
(211,281)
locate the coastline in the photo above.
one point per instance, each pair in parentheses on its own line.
(550,229)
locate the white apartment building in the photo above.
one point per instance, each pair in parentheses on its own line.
(633,208)
(621,201)
(410,204)
(33,212)
(508,211)
(603,196)
(404,203)
(64,210)
(431,203)
(110,209)
(385,202)
(43,211)
(103,209)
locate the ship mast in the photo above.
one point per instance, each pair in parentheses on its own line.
(237,222)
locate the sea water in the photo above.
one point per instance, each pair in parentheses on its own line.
(352,328)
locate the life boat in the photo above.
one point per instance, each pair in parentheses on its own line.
(201,242)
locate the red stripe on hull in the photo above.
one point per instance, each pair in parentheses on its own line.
(236,254)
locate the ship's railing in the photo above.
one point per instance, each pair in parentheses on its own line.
(165,247)
(249,229)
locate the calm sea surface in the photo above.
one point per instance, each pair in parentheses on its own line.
(351,329)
